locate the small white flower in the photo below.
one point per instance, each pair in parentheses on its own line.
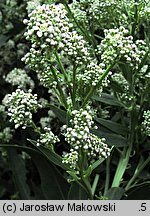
(39,34)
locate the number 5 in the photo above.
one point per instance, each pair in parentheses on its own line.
(143,207)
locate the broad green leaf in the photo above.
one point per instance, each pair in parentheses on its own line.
(111,138)
(107,99)
(50,155)
(76,192)
(17,165)
(51,179)
(115,193)
(53,184)
(113,126)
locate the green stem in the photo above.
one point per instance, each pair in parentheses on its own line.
(61,66)
(93,88)
(88,186)
(36,129)
(95,184)
(62,96)
(64,73)
(74,85)
(107,175)
(78,25)
(136,173)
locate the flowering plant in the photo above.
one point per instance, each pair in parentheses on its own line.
(99,74)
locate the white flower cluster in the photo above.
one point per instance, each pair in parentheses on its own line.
(71,158)
(98,13)
(79,137)
(146,122)
(47,121)
(18,77)
(6,135)
(143,8)
(50,30)
(48,138)
(48,26)
(20,107)
(117,44)
(124,85)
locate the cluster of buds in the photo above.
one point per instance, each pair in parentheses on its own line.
(146,122)
(21,105)
(50,31)
(48,138)
(118,44)
(98,12)
(6,135)
(49,28)
(79,137)
(18,77)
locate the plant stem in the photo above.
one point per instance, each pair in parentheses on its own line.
(95,184)
(93,88)
(62,96)
(137,172)
(78,25)
(88,186)
(65,74)
(74,85)
(107,175)
(61,66)
(36,129)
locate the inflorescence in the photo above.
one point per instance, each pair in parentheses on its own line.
(48,138)
(146,122)
(18,77)
(80,138)
(21,105)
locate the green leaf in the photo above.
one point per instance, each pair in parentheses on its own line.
(126,70)
(61,114)
(116,87)
(17,165)
(111,138)
(115,193)
(97,163)
(87,172)
(50,155)
(76,192)
(113,126)
(53,184)
(51,179)
(107,99)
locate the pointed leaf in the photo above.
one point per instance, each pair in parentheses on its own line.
(107,99)
(50,155)
(111,138)
(113,126)
(51,179)
(17,166)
